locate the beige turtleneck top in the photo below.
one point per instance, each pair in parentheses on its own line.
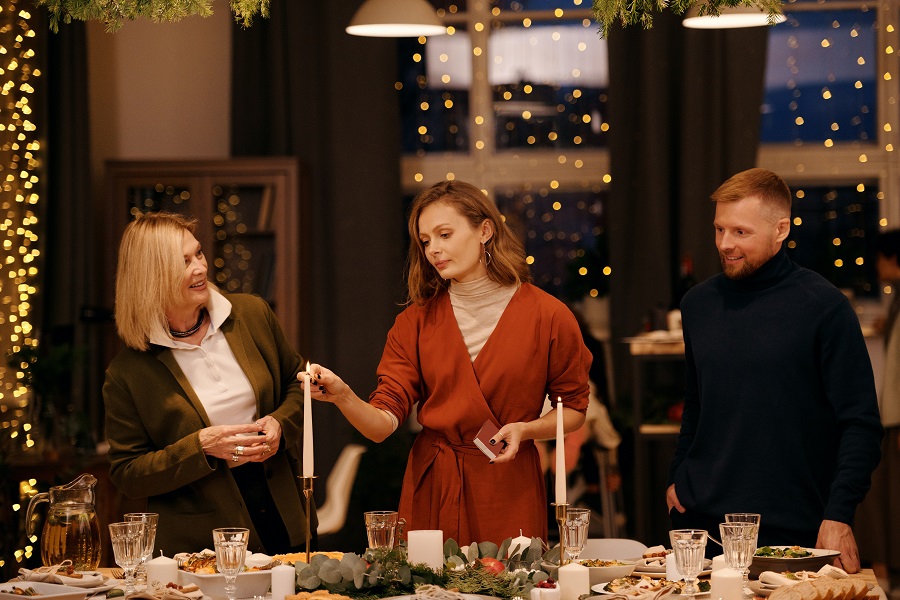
(477,306)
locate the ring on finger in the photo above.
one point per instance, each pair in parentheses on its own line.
(235,458)
(267,448)
(239,450)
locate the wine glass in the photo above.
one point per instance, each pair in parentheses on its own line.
(149,520)
(128,546)
(575,532)
(744,519)
(231,548)
(689,547)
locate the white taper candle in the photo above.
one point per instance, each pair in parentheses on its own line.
(560,455)
(308,461)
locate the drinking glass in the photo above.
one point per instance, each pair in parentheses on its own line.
(128,546)
(744,531)
(149,520)
(380,528)
(231,548)
(575,532)
(689,547)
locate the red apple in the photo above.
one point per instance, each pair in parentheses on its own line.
(491,565)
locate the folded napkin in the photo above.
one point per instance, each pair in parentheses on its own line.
(832,571)
(51,574)
(159,592)
(773,579)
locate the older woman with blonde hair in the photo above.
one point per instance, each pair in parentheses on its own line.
(203,408)
(476,344)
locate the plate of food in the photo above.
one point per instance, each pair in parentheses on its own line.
(656,566)
(607,570)
(641,586)
(790,558)
(16,590)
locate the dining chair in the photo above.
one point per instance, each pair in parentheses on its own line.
(612,548)
(333,512)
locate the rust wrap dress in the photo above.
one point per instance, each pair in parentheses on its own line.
(535,349)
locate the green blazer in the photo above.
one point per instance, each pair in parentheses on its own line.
(153,419)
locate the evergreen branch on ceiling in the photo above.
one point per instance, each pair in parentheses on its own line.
(640,12)
(113,13)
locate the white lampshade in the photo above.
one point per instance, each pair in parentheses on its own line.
(729,18)
(396,18)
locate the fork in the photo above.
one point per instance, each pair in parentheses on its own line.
(116,573)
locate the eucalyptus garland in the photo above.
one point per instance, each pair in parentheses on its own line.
(640,12)
(114,12)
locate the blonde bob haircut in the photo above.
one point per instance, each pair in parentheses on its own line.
(149,275)
(506,264)
(761,183)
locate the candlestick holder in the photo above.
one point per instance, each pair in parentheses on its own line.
(561,510)
(307,493)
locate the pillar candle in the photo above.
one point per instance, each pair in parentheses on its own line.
(308,461)
(283,581)
(672,572)
(522,542)
(574,581)
(718,562)
(560,455)
(162,570)
(426,546)
(726,584)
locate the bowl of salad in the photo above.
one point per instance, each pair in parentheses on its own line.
(790,558)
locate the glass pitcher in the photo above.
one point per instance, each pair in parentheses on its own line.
(71,530)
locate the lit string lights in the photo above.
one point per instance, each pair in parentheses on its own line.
(19,167)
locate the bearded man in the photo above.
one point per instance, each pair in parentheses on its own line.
(780,414)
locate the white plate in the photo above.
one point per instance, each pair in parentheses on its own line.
(598,589)
(249,583)
(660,571)
(46,590)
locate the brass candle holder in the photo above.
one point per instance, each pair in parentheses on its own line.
(561,510)
(307,493)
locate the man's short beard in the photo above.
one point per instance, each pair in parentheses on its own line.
(742,272)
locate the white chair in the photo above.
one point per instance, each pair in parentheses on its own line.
(612,548)
(333,512)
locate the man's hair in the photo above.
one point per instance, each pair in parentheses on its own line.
(888,244)
(761,183)
(149,275)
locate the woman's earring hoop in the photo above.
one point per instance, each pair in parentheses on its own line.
(486,257)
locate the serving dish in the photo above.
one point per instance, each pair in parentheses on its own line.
(249,583)
(45,590)
(601,574)
(641,591)
(819,558)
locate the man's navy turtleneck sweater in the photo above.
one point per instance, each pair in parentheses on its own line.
(780,414)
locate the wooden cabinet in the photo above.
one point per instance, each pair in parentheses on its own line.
(251,221)
(654,442)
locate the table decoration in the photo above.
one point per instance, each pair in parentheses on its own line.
(308,457)
(284,581)
(162,569)
(426,546)
(574,581)
(479,568)
(727,584)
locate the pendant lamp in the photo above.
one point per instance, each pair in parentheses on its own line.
(396,18)
(731,17)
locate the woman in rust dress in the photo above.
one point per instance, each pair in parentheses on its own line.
(477,343)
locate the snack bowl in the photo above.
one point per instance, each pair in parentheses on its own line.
(249,583)
(600,574)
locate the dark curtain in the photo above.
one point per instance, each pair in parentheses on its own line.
(685,107)
(301,86)
(685,111)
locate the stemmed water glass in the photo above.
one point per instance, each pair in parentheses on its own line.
(128,546)
(575,532)
(689,547)
(739,544)
(744,519)
(231,548)
(149,520)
